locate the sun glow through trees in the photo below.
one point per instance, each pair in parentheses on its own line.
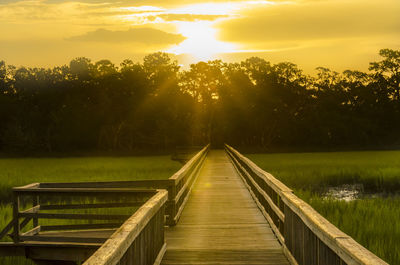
(201,41)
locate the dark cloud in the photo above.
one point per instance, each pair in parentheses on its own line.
(146,36)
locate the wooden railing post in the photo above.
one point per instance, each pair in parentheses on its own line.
(172,204)
(35,202)
(16,216)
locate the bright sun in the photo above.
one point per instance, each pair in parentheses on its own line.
(200,41)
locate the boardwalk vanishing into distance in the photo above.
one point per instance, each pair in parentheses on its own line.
(221,223)
(219,208)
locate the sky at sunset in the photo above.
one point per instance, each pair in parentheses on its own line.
(339,34)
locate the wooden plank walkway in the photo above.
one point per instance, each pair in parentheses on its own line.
(221,223)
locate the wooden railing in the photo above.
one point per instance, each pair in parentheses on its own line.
(140,240)
(307,237)
(142,235)
(138,221)
(51,203)
(178,185)
(184,153)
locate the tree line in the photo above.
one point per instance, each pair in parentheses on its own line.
(155,105)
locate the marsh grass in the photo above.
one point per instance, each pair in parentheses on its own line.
(373,222)
(377,171)
(22,171)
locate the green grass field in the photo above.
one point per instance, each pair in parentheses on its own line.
(373,222)
(22,171)
(378,171)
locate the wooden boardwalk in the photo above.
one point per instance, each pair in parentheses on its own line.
(221,223)
(226,217)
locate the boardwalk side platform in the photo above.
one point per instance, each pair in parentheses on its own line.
(221,223)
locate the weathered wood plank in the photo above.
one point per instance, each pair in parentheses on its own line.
(33,231)
(29,186)
(34,209)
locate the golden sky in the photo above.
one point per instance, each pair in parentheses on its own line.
(339,34)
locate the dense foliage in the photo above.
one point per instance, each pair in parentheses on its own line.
(155,104)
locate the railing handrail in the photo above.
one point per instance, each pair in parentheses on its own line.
(167,200)
(183,181)
(183,170)
(111,252)
(275,184)
(342,244)
(178,185)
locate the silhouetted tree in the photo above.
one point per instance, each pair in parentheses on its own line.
(154,105)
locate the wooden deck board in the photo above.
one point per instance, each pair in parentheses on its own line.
(221,223)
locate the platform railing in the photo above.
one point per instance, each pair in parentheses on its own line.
(307,237)
(179,186)
(140,240)
(181,183)
(64,203)
(37,201)
(134,218)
